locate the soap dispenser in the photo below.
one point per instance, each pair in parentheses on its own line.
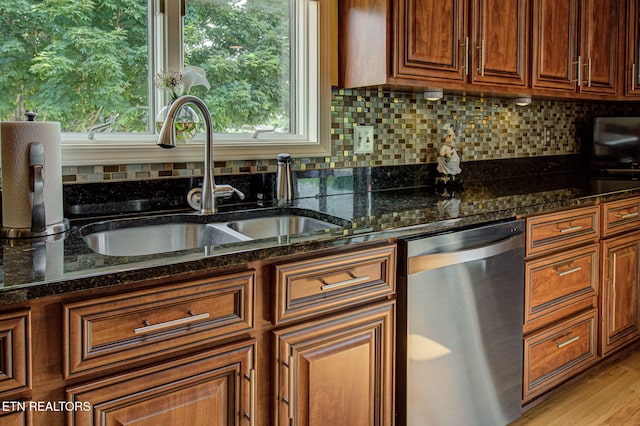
(284,181)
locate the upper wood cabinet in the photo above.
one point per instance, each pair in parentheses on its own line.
(576,46)
(439,43)
(500,42)
(632,70)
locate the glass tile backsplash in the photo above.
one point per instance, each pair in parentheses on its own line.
(408,129)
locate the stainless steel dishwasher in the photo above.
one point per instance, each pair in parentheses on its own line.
(460,312)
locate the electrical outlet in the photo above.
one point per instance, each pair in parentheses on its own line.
(363,139)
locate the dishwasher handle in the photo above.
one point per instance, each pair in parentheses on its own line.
(425,262)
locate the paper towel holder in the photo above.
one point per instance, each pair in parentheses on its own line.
(38,217)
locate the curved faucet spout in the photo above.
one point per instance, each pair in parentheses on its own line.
(167,139)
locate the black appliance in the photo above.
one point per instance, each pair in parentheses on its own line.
(615,148)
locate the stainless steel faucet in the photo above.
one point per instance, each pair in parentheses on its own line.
(102,127)
(167,139)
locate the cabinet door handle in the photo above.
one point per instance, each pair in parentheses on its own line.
(480,69)
(570,229)
(633,77)
(566,342)
(252,397)
(169,324)
(569,271)
(628,215)
(354,280)
(466,55)
(579,63)
(290,390)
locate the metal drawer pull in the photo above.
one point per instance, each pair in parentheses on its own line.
(569,271)
(628,215)
(354,280)
(565,343)
(181,321)
(570,229)
(251,377)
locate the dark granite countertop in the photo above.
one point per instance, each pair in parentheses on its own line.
(31,269)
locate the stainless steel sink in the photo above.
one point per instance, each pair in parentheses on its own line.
(161,234)
(153,239)
(278,226)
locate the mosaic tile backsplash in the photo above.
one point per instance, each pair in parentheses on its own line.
(408,130)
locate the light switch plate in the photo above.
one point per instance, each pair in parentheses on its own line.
(363,139)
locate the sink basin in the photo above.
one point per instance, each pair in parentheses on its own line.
(167,233)
(278,226)
(153,239)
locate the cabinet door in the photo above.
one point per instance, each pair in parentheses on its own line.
(632,72)
(500,42)
(432,39)
(555,49)
(337,371)
(619,292)
(213,388)
(600,46)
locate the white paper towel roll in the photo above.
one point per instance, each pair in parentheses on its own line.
(15,140)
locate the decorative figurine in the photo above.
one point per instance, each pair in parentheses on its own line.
(448,158)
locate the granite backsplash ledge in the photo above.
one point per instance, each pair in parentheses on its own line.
(154,195)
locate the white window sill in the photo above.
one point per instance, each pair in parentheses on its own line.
(104,149)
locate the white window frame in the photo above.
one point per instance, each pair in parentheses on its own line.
(313,138)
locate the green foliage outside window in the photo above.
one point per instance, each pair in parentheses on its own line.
(79,61)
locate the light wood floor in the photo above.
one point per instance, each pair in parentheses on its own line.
(609,394)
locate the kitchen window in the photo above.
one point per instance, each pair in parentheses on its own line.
(85,63)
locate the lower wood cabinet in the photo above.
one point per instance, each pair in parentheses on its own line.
(337,370)
(15,418)
(619,293)
(212,388)
(15,353)
(555,353)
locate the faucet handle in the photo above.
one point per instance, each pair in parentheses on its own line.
(226,191)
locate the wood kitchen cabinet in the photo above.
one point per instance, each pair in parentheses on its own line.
(620,285)
(619,294)
(105,332)
(561,297)
(577,45)
(337,370)
(334,349)
(214,388)
(632,69)
(15,418)
(205,348)
(15,353)
(440,43)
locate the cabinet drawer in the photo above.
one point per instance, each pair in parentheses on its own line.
(309,287)
(15,352)
(559,230)
(140,325)
(555,354)
(622,215)
(559,282)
